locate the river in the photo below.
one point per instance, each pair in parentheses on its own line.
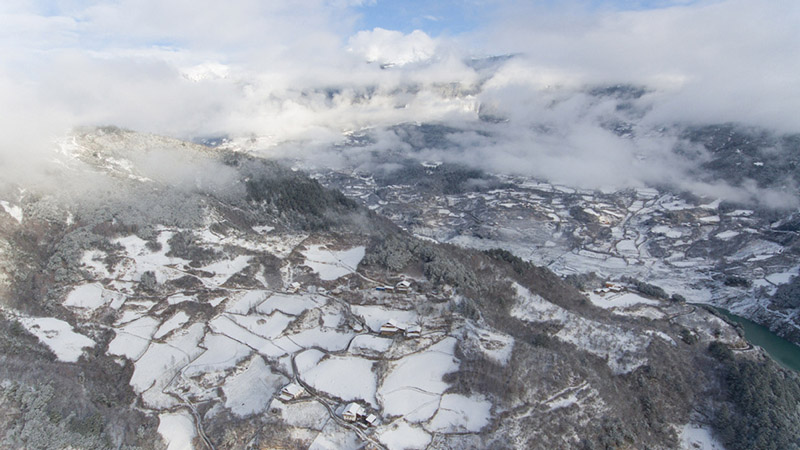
(782,351)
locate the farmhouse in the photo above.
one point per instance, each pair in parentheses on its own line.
(371,420)
(291,391)
(403,286)
(353,412)
(392,327)
(413,331)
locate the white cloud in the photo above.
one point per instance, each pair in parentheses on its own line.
(295,71)
(393,47)
(735,58)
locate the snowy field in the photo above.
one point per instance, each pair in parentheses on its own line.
(620,300)
(697,437)
(330,264)
(58,336)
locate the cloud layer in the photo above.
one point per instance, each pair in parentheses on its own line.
(293,76)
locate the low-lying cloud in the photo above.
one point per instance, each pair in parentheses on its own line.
(289,78)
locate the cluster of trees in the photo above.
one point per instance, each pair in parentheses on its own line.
(446,178)
(300,199)
(648,289)
(184,244)
(760,408)
(438,262)
(734,149)
(50,404)
(788,295)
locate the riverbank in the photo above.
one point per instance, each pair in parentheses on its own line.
(782,351)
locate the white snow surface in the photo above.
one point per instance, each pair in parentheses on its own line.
(133,338)
(347,377)
(174,322)
(375,316)
(140,259)
(92,261)
(365,343)
(331,264)
(153,371)
(402,436)
(496,346)
(327,339)
(620,300)
(307,414)
(58,336)
(269,327)
(696,437)
(288,304)
(177,429)
(533,308)
(221,353)
(226,268)
(244,302)
(727,235)
(180,298)
(92,296)
(334,437)
(623,349)
(13,210)
(249,392)
(414,384)
(458,413)
(782,277)
(224,325)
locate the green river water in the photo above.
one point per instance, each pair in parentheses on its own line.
(781,350)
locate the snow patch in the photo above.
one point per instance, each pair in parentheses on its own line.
(622,349)
(173,323)
(458,413)
(329,264)
(496,346)
(132,339)
(58,336)
(402,436)
(288,304)
(327,339)
(697,437)
(221,353)
(249,392)
(225,269)
(243,303)
(92,296)
(620,300)
(346,377)
(414,383)
(13,210)
(366,343)
(268,327)
(224,325)
(375,316)
(161,362)
(177,429)
(309,414)
(533,308)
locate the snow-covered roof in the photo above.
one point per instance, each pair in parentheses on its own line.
(392,323)
(354,409)
(293,389)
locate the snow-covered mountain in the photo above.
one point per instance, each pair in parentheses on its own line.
(164,293)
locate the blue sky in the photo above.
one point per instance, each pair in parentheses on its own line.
(451,17)
(433,17)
